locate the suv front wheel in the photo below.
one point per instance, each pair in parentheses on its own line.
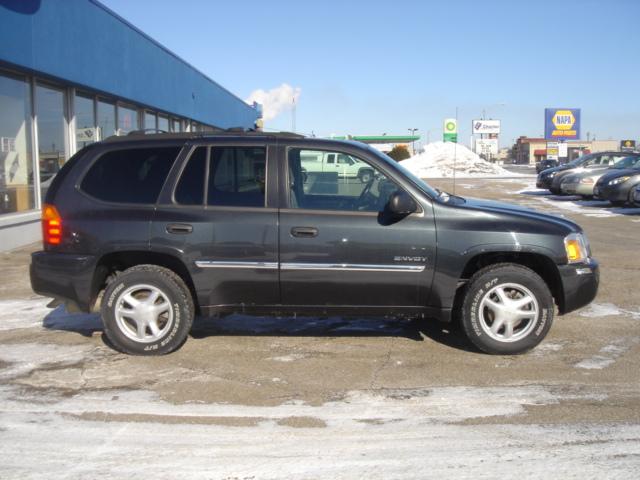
(507,309)
(147,310)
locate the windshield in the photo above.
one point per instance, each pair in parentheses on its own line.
(580,160)
(627,162)
(418,182)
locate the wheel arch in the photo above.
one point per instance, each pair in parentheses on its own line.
(541,264)
(111,263)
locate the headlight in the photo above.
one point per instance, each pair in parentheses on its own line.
(577,247)
(587,181)
(551,175)
(619,180)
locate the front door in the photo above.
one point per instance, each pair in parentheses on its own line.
(339,248)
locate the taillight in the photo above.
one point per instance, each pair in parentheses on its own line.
(51,225)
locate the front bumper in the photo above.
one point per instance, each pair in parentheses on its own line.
(63,276)
(579,284)
(544,182)
(615,193)
(577,188)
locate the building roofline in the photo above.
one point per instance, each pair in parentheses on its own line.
(121,19)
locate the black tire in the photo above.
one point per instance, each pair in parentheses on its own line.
(555,191)
(138,284)
(365,175)
(478,318)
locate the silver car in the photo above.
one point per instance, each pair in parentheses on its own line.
(582,181)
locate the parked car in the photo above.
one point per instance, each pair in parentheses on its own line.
(544,164)
(343,165)
(616,186)
(551,178)
(582,183)
(152,229)
(635,196)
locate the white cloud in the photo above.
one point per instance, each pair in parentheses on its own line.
(275,101)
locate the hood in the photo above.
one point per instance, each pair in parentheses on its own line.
(615,173)
(522,213)
(559,168)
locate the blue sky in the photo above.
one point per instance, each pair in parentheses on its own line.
(370,67)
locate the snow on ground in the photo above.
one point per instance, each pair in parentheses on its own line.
(441,159)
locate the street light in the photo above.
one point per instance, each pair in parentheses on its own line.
(413,143)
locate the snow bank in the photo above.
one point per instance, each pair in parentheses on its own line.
(437,161)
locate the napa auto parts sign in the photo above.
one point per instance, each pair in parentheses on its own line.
(561,123)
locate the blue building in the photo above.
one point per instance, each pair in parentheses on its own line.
(73,72)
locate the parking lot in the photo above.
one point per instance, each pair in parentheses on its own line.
(260,398)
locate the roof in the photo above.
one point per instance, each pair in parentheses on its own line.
(379,138)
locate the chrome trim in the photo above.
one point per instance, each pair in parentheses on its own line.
(352,267)
(228,264)
(583,271)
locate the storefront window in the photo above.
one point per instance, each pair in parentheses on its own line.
(51,133)
(106,119)
(127,120)
(150,120)
(86,132)
(163,123)
(16,166)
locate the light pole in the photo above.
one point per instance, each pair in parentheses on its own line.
(413,142)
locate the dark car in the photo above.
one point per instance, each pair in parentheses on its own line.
(551,179)
(544,164)
(153,229)
(635,195)
(616,185)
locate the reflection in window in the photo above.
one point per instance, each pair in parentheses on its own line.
(127,120)
(150,120)
(85,127)
(106,119)
(51,133)
(16,167)
(163,123)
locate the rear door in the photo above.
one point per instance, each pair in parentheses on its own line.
(219,217)
(338,246)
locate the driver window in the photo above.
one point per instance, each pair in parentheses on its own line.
(355,186)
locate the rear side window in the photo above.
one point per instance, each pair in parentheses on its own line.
(237,176)
(133,175)
(190,188)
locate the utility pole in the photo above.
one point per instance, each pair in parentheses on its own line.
(412,131)
(293,114)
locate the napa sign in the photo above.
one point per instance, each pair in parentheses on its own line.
(561,123)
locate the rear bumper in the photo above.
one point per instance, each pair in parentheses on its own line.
(579,284)
(64,276)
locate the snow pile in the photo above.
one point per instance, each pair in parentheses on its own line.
(437,161)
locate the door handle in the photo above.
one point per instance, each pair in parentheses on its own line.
(304,232)
(179,228)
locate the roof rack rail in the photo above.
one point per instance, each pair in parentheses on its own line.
(234,131)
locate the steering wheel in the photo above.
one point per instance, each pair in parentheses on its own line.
(362,201)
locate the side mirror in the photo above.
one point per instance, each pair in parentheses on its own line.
(401,203)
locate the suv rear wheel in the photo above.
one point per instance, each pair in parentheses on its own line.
(147,310)
(507,309)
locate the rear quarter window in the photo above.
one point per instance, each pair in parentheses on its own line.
(134,175)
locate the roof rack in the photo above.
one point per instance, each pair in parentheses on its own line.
(163,135)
